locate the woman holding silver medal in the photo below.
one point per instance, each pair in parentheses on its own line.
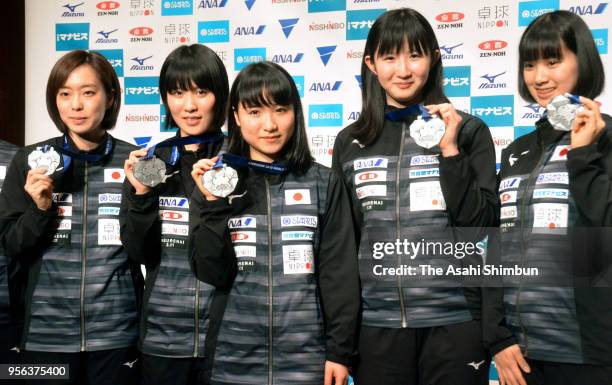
(280,241)
(555,192)
(178,309)
(417,169)
(59,207)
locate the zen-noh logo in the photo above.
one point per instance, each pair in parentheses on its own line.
(141,34)
(108,8)
(493,48)
(71,36)
(448,20)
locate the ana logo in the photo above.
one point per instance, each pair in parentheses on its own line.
(297,197)
(584,10)
(177,7)
(71,10)
(360,164)
(326,5)
(142,90)
(457,81)
(325,115)
(358,23)
(141,34)
(243,236)
(450,20)
(242,222)
(212,3)
(62,197)
(534,111)
(249,31)
(71,36)
(115,58)
(493,48)
(325,86)
(529,10)
(600,36)
(287,25)
(216,31)
(105,39)
(326,53)
(177,202)
(509,183)
(447,52)
(114,175)
(140,64)
(249,4)
(287,58)
(496,111)
(108,8)
(245,56)
(490,81)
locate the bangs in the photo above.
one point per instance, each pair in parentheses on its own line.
(263,88)
(541,42)
(396,32)
(183,75)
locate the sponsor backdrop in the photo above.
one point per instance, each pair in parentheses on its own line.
(320,42)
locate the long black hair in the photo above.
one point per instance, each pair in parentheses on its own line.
(197,64)
(389,34)
(264,84)
(542,40)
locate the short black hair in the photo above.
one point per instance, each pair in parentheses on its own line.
(264,84)
(542,40)
(106,74)
(389,33)
(197,64)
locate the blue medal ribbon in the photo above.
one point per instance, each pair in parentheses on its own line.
(415,109)
(179,141)
(241,162)
(68,154)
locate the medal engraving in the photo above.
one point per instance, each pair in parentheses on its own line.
(49,159)
(220,182)
(562,112)
(428,133)
(150,172)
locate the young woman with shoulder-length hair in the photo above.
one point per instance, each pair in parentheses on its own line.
(415,178)
(56,208)
(280,241)
(557,330)
(178,309)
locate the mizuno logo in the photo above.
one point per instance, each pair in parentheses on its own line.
(449,50)
(107,34)
(71,8)
(476,365)
(130,364)
(491,78)
(141,61)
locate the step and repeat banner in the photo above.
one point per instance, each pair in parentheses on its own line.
(320,42)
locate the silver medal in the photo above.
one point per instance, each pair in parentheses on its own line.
(561,112)
(220,182)
(49,159)
(427,133)
(150,172)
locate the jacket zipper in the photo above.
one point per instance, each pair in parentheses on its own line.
(84,259)
(196,331)
(270,283)
(397,225)
(528,191)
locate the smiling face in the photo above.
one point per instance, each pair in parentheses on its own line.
(549,77)
(266,129)
(401,74)
(192,110)
(82,103)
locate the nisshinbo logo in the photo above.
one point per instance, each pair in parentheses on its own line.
(495,111)
(358,23)
(325,115)
(529,10)
(177,7)
(245,56)
(115,58)
(326,5)
(457,81)
(142,90)
(216,31)
(71,36)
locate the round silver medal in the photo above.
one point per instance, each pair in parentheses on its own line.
(220,182)
(562,112)
(150,172)
(428,133)
(49,159)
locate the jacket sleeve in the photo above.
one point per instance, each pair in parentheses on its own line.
(25,230)
(468,179)
(339,275)
(496,336)
(210,248)
(590,177)
(140,225)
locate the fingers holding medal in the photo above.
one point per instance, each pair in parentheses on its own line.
(130,167)
(587,124)
(197,173)
(452,120)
